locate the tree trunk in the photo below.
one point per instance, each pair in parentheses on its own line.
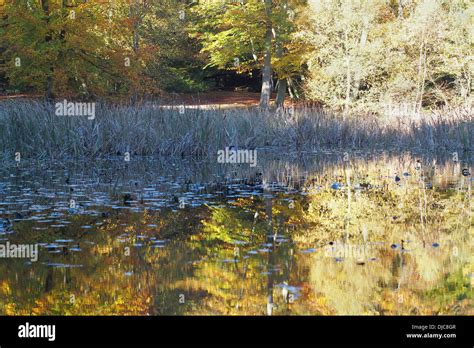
(421,75)
(347,102)
(268,197)
(267,62)
(281,92)
(400,9)
(49,281)
(135,16)
(362,43)
(282,82)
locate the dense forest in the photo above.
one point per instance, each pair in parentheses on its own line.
(350,55)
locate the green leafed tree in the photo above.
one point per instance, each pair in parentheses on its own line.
(252,35)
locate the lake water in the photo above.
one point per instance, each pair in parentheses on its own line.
(319,234)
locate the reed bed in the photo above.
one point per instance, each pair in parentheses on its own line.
(32,128)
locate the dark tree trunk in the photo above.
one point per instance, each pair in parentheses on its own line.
(49,281)
(281,92)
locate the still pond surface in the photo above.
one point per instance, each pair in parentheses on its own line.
(376,234)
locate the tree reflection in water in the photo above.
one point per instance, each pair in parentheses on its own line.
(387,239)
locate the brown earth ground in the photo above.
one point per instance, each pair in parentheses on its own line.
(207,100)
(228,99)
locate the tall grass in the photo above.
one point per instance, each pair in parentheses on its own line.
(33,129)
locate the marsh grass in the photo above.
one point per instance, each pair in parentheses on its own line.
(32,128)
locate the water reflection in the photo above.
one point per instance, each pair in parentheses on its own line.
(318,235)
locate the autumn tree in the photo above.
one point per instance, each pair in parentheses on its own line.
(248,35)
(99,48)
(368,54)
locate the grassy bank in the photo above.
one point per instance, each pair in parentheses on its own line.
(33,129)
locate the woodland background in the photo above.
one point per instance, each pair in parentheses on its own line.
(350,55)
